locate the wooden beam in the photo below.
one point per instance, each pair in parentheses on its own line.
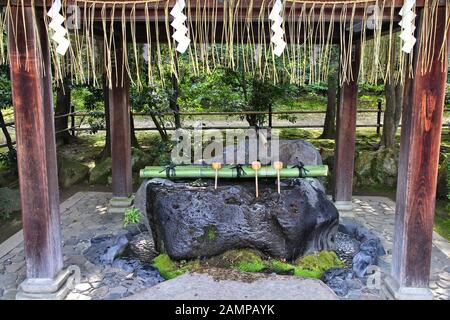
(36,150)
(344,151)
(256,4)
(423,105)
(119,109)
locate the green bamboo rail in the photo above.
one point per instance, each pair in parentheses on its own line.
(230,172)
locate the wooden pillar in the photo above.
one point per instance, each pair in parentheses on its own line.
(423,105)
(119,110)
(344,151)
(36,156)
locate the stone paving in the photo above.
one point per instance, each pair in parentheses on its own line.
(85,216)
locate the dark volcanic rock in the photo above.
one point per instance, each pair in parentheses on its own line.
(189,222)
(105,248)
(370,246)
(341,281)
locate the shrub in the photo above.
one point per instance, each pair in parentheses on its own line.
(132,216)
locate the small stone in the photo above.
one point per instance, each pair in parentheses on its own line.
(442,291)
(99,293)
(82,287)
(119,290)
(433,285)
(339,286)
(13,267)
(71,241)
(7,280)
(361,261)
(9,294)
(77,296)
(443,284)
(113,296)
(445,275)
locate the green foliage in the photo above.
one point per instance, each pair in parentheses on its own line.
(316,88)
(9,202)
(131,216)
(9,158)
(371,89)
(442,218)
(448,176)
(5,87)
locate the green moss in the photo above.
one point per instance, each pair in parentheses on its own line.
(280,266)
(209,234)
(247,260)
(170,269)
(315,264)
(305,273)
(243,259)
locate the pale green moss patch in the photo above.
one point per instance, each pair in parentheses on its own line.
(246,260)
(170,269)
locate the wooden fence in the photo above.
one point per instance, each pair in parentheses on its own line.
(73,115)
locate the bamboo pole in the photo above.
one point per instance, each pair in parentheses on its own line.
(232,172)
(278,165)
(256,165)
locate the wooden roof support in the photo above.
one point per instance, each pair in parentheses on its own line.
(36,152)
(423,105)
(345,137)
(119,110)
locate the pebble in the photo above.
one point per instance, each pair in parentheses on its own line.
(77,296)
(443,284)
(7,279)
(433,285)
(13,267)
(442,291)
(99,292)
(9,294)
(119,290)
(113,296)
(445,276)
(82,287)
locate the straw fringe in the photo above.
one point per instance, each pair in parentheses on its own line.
(240,40)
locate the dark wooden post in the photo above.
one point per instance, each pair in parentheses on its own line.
(345,137)
(36,157)
(119,110)
(423,105)
(270,117)
(72,120)
(379,117)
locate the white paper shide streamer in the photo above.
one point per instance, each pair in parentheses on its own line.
(407,25)
(178,24)
(59,35)
(278,32)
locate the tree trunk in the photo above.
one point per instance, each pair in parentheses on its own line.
(159,124)
(134,141)
(173,102)
(329,125)
(6,133)
(106,152)
(393,108)
(63,94)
